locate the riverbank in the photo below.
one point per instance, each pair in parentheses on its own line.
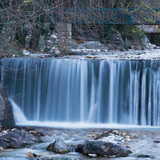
(150,54)
(143,143)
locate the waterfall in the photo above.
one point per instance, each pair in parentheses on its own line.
(19,116)
(83,90)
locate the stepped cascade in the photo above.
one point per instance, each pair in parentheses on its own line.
(84,90)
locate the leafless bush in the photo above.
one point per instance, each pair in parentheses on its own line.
(23,21)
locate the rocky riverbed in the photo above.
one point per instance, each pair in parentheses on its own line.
(50,143)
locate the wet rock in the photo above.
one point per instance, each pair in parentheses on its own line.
(36,155)
(128,138)
(92,155)
(128,146)
(79,148)
(114,139)
(116,132)
(144,156)
(33,154)
(59,146)
(133,135)
(50,147)
(36,133)
(124,133)
(105,134)
(72,148)
(6,114)
(102,148)
(92,57)
(91,135)
(17,139)
(157,140)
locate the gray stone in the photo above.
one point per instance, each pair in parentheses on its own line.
(17,139)
(102,148)
(59,146)
(156,140)
(6,114)
(116,37)
(79,148)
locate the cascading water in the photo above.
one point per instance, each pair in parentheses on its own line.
(85,90)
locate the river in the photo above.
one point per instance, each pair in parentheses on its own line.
(93,91)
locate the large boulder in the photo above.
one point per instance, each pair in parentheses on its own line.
(6,114)
(17,139)
(102,148)
(116,37)
(59,146)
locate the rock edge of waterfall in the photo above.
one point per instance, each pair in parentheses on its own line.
(6,114)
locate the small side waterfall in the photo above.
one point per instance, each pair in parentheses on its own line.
(18,114)
(85,90)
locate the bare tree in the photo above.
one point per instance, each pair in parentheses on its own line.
(24,21)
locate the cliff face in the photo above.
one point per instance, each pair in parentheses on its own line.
(6,114)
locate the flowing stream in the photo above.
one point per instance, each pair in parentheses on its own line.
(86,91)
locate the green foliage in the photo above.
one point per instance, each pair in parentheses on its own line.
(144,12)
(132,33)
(16,51)
(27,1)
(12,50)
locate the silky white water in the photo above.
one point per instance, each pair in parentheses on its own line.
(83,91)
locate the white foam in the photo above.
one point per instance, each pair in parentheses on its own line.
(84,125)
(153,54)
(19,116)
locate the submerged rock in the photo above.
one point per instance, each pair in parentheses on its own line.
(17,139)
(102,148)
(145,156)
(156,140)
(59,146)
(33,154)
